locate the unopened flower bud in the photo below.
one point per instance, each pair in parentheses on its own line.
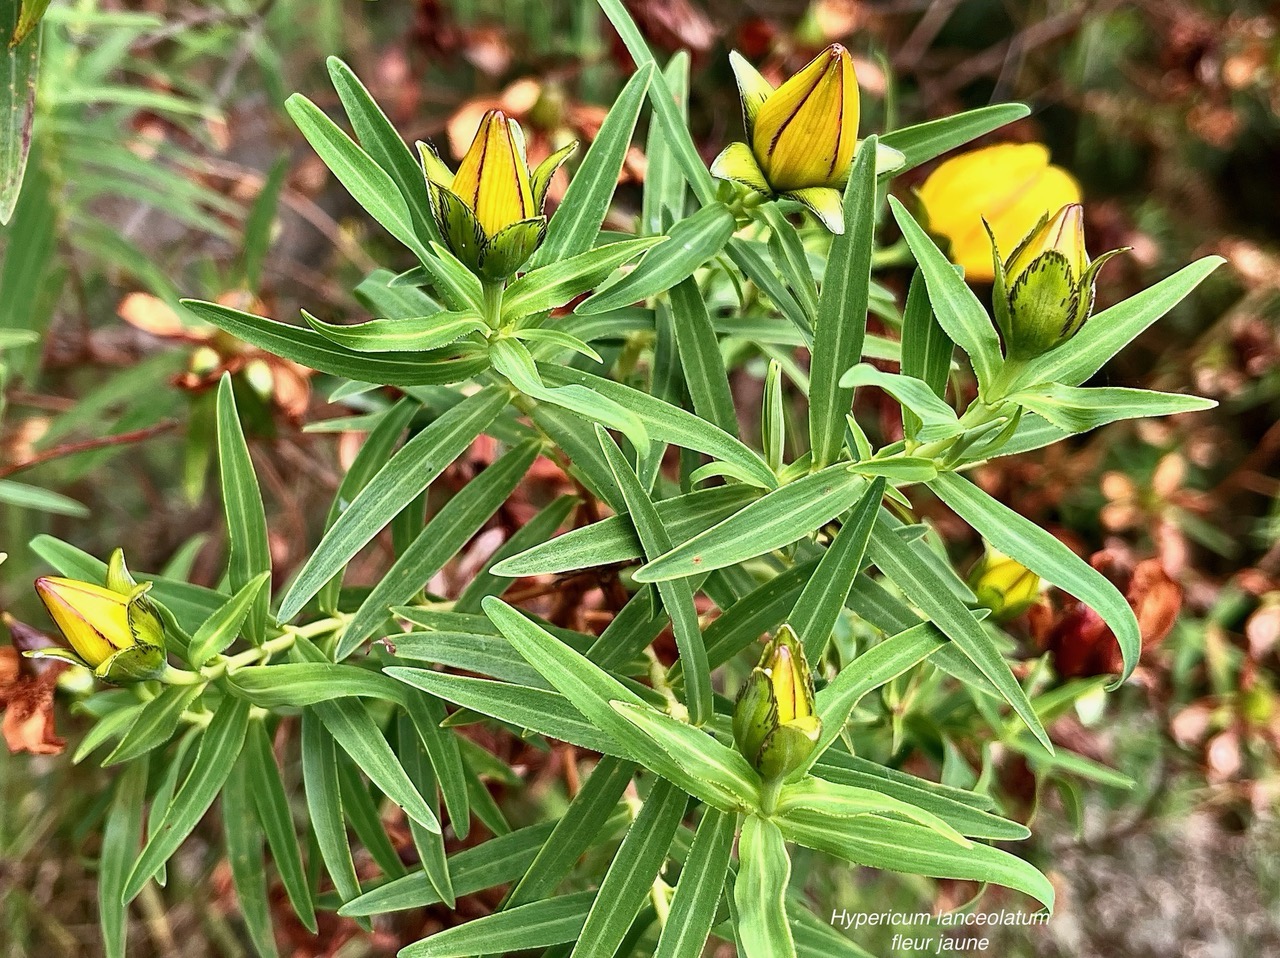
(774,725)
(1004,586)
(115,630)
(1044,291)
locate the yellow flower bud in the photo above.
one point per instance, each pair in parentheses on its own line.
(1012,186)
(490,212)
(1004,586)
(115,631)
(1044,291)
(94,620)
(774,725)
(805,131)
(493,178)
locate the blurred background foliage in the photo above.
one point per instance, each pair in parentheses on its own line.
(162,165)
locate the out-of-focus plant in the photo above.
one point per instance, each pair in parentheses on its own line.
(602,351)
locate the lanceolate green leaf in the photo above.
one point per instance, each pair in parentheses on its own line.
(440,539)
(958,310)
(666,423)
(242,503)
(926,349)
(222,628)
(414,467)
(677,596)
(818,608)
(692,242)
(780,518)
(664,186)
(631,875)
(155,724)
(702,881)
(244,856)
(1079,410)
(842,310)
(561,280)
(927,589)
(18,66)
(938,420)
(922,142)
(760,891)
(305,346)
(1046,555)
(120,839)
(416,334)
(577,219)
(219,747)
(324,805)
(537,925)
(699,351)
(368,183)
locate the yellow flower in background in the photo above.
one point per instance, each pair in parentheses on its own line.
(490,212)
(801,136)
(1012,186)
(1044,291)
(1004,585)
(114,631)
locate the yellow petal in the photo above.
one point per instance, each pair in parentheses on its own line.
(805,132)
(493,178)
(1012,185)
(94,620)
(1062,233)
(782,675)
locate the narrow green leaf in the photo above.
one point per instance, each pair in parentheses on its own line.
(778,519)
(576,221)
(819,606)
(272,806)
(416,334)
(412,469)
(430,845)
(938,420)
(44,500)
(120,841)
(692,242)
(259,223)
(664,188)
(667,423)
(697,895)
(760,891)
(449,530)
(958,310)
(244,855)
(309,348)
(537,925)
(219,747)
(1078,410)
(1046,555)
(554,284)
(538,530)
(848,801)
(155,724)
(929,590)
(677,595)
(926,349)
(924,141)
(250,550)
(19,64)
(842,310)
(222,628)
(699,351)
(324,805)
(631,874)
(368,183)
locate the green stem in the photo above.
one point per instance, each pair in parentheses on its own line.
(493,303)
(769,795)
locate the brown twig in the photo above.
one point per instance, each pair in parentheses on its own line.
(86,445)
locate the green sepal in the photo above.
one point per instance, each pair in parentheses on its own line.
(510,248)
(1043,304)
(788,747)
(434,168)
(118,577)
(1087,290)
(737,164)
(754,714)
(999,289)
(61,654)
(458,226)
(753,90)
(824,202)
(144,619)
(540,178)
(139,663)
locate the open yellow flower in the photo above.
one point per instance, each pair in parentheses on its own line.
(114,631)
(490,212)
(801,136)
(1012,186)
